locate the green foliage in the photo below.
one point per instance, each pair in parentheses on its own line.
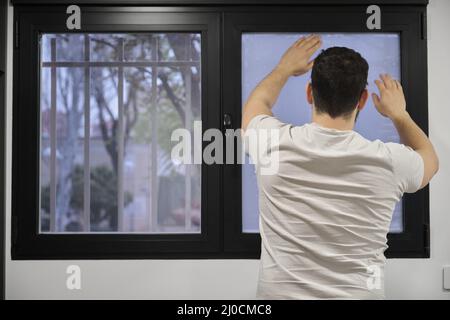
(103,196)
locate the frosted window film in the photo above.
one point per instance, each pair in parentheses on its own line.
(262,51)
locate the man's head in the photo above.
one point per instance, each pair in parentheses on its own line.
(338,82)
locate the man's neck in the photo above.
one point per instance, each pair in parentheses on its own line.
(338,123)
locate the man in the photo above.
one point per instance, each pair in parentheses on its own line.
(325,213)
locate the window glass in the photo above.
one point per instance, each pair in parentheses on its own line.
(262,51)
(109,104)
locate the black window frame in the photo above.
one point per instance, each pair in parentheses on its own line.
(222,235)
(3,46)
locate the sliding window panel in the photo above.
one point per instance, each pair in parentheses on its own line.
(94,174)
(382,52)
(254,43)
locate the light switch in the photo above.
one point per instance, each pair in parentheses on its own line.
(447,277)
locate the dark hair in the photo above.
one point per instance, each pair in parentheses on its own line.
(338,78)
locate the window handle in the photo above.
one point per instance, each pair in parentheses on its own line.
(227,121)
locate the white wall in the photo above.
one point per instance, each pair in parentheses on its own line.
(236,279)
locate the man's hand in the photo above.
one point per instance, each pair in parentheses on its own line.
(296,60)
(391,102)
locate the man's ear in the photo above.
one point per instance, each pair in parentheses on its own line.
(363,99)
(309,95)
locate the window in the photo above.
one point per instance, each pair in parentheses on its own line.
(382,52)
(94,112)
(109,103)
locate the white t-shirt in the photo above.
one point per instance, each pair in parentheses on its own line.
(326,212)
